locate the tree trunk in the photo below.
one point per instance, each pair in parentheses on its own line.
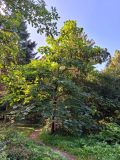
(53,128)
(53,125)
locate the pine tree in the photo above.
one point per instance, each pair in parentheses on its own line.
(26,46)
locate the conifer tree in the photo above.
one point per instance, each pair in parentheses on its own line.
(25,44)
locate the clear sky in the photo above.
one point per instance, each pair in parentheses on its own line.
(99,18)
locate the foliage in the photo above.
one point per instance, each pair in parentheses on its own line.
(8,48)
(86,148)
(34,12)
(114,65)
(62,91)
(112,71)
(55,84)
(110,134)
(25,44)
(11,15)
(22,148)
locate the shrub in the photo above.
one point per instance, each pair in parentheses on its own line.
(110,134)
(20,147)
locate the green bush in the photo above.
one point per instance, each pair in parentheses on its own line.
(110,134)
(19,147)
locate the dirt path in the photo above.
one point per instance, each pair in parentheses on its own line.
(64,154)
(35,136)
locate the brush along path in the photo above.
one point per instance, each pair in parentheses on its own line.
(35,136)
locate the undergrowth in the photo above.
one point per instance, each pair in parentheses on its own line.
(103,146)
(15,145)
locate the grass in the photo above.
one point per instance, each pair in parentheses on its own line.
(84,148)
(20,147)
(25,130)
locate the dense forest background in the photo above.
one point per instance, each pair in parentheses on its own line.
(62,91)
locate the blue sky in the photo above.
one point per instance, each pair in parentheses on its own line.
(99,18)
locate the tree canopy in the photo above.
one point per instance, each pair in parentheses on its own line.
(62,92)
(35,12)
(63,85)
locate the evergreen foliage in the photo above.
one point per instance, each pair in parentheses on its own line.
(25,45)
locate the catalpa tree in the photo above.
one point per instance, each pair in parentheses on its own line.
(54,85)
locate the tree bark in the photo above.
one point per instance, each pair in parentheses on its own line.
(53,128)
(53,125)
